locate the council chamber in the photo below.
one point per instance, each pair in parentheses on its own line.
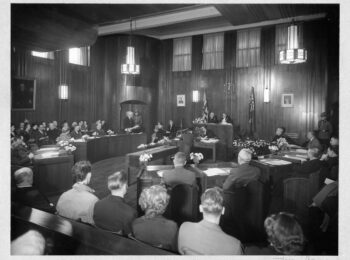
(174,129)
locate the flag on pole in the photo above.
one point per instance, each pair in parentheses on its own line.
(252,111)
(205,107)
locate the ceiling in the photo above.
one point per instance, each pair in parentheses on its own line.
(47,27)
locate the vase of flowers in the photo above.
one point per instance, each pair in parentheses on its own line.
(144,159)
(282,144)
(196,158)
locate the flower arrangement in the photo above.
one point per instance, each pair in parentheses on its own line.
(63,143)
(200,120)
(258,147)
(282,143)
(196,157)
(110,132)
(145,158)
(142,146)
(70,148)
(273,148)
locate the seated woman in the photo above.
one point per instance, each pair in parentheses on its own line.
(284,234)
(99,131)
(212,118)
(226,119)
(171,129)
(153,228)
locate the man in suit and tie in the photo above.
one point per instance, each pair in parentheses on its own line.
(179,175)
(128,122)
(313,141)
(312,165)
(244,173)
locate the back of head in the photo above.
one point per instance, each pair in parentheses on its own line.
(154,200)
(334,149)
(180,159)
(212,201)
(30,243)
(284,233)
(117,180)
(244,156)
(24,176)
(80,170)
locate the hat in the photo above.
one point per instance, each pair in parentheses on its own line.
(323,114)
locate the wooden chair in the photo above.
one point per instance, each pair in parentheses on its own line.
(184,204)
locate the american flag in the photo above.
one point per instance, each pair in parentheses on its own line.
(205,107)
(252,111)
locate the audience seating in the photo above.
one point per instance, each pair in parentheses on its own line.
(184,204)
(245,212)
(70,237)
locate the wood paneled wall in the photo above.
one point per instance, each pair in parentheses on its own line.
(308,82)
(95,92)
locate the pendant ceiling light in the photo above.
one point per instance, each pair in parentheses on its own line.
(130,67)
(293,54)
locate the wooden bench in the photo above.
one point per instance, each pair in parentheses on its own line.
(72,237)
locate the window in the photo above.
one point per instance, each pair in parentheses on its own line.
(213,51)
(248,48)
(80,56)
(281,40)
(44,55)
(182,54)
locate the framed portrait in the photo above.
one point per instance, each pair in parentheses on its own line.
(23,92)
(181,100)
(287,100)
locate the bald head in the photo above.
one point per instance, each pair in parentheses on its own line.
(179,159)
(24,177)
(244,156)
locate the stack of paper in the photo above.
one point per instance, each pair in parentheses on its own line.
(295,157)
(301,150)
(217,171)
(275,162)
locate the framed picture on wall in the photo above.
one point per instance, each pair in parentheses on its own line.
(287,100)
(23,92)
(181,100)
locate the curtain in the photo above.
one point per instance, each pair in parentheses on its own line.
(182,52)
(248,48)
(213,51)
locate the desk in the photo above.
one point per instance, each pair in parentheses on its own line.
(52,176)
(225,135)
(105,147)
(205,145)
(133,164)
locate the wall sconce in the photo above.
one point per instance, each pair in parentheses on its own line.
(266,95)
(195,96)
(63,91)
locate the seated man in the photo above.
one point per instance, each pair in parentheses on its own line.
(226,119)
(310,166)
(329,162)
(280,133)
(76,133)
(99,131)
(20,155)
(53,133)
(334,141)
(313,142)
(27,195)
(179,175)
(244,173)
(212,118)
(158,134)
(78,202)
(41,137)
(171,129)
(206,237)
(128,122)
(112,213)
(207,133)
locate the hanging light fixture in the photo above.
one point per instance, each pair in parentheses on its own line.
(195,96)
(293,54)
(266,95)
(62,87)
(130,67)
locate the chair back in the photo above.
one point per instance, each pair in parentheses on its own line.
(187,143)
(184,204)
(314,184)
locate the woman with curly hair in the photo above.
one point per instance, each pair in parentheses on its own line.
(153,228)
(284,234)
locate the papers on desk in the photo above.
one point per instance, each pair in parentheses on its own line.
(294,146)
(79,140)
(49,154)
(217,171)
(328,181)
(301,150)
(209,141)
(49,149)
(297,157)
(275,162)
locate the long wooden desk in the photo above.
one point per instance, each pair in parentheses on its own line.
(205,145)
(132,162)
(105,147)
(52,176)
(225,135)
(74,238)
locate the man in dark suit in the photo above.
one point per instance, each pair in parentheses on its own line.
(99,131)
(244,173)
(27,195)
(128,122)
(313,142)
(280,133)
(76,134)
(112,213)
(41,137)
(310,166)
(179,175)
(171,129)
(53,133)
(20,155)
